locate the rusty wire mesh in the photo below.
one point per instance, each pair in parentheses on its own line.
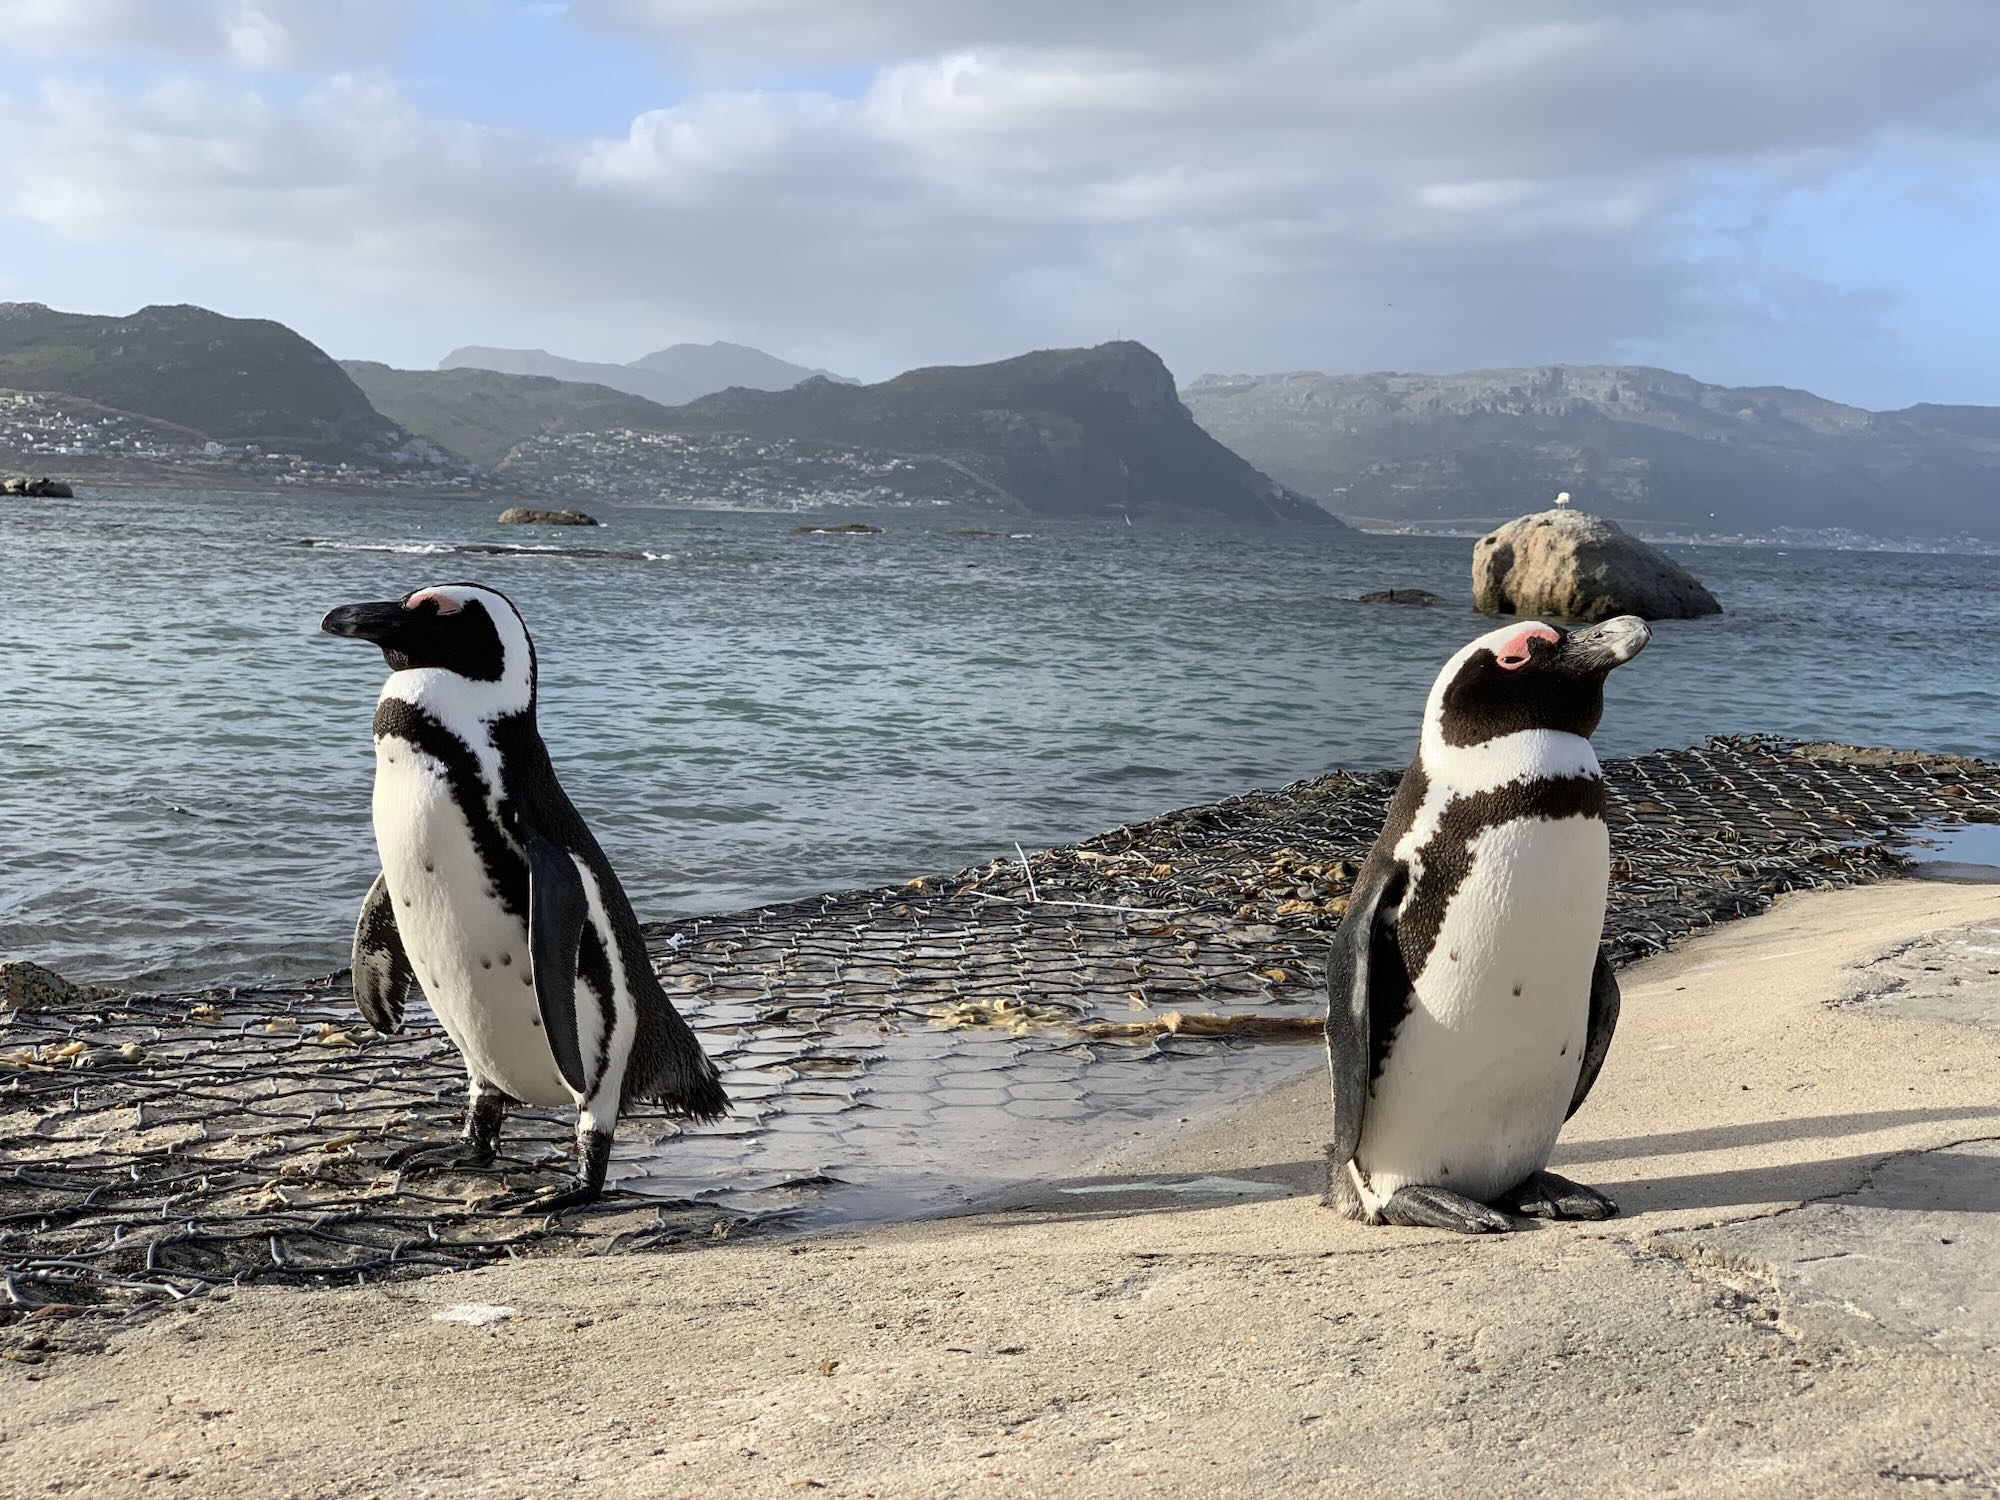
(156,1147)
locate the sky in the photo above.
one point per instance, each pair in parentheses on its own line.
(1792,192)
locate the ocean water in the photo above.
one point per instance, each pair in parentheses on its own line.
(745,713)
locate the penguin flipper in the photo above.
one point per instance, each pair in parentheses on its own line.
(1603,1021)
(1364,956)
(382,971)
(557,910)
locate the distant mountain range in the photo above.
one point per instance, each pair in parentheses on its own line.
(229,380)
(1063,432)
(1640,445)
(670,376)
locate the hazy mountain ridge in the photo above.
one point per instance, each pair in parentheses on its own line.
(670,376)
(486,415)
(231,380)
(1636,443)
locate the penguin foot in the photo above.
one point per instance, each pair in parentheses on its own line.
(1546,1196)
(1421,1207)
(546,1201)
(593,1152)
(461,1154)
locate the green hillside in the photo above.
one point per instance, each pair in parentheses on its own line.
(1065,432)
(235,380)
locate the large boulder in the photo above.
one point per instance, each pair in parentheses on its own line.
(1572,566)
(29,986)
(521,515)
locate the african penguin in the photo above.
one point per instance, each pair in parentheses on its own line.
(494,896)
(1469,1004)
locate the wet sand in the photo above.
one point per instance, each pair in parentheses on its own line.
(1800,1117)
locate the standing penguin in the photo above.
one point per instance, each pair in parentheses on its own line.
(494,895)
(1470,1005)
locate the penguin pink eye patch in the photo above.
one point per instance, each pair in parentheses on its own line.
(1513,653)
(445,603)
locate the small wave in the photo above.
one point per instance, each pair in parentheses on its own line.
(1020,536)
(486,549)
(415,549)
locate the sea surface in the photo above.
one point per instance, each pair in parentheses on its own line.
(746,713)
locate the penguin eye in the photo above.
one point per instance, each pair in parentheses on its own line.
(446,605)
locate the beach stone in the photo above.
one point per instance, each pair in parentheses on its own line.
(1421,598)
(29,986)
(1569,565)
(475,1314)
(521,515)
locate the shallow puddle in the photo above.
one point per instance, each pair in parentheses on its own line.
(923,1120)
(1966,853)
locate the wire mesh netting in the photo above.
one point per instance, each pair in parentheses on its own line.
(889,1051)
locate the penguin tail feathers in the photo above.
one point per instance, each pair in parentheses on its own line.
(699,1098)
(668,1065)
(1341,1194)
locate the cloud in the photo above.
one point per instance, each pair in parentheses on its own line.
(809,32)
(1269,184)
(258,35)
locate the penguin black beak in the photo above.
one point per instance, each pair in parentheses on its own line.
(1599,648)
(365,622)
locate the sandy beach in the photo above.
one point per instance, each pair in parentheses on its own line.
(1800,1120)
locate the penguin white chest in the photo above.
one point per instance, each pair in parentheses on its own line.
(1480,1073)
(469,951)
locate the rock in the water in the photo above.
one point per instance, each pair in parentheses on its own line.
(27,986)
(846,528)
(1401,596)
(36,489)
(1572,566)
(520,515)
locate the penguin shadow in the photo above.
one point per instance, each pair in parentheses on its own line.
(1804,1178)
(1801,1178)
(1125,1195)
